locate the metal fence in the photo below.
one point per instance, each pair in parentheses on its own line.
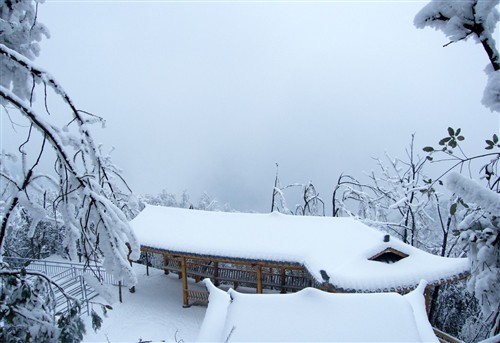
(52,268)
(69,276)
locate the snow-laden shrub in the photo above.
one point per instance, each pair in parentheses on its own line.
(480,231)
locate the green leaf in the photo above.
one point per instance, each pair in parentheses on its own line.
(458,131)
(460,138)
(440,182)
(489,147)
(463,203)
(489,142)
(453,143)
(451,132)
(9,315)
(25,293)
(428,149)
(453,209)
(444,140)
(12,281)
(495,138)
(96,321)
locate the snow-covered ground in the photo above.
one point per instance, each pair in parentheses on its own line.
(153,313)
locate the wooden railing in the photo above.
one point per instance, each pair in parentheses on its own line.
(243,274)
(443,337)
(198,297)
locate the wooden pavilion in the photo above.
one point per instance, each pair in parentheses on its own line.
(285,253)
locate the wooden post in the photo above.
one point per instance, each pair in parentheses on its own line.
(165,264)
(216,274)
(129,253)
(147,264)
(120,291)
(185,299)
(259,278)
(283,280)
(427,296)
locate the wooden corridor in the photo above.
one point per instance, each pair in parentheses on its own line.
(236,272)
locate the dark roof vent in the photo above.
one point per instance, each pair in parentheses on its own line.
(387,238)
(324,275)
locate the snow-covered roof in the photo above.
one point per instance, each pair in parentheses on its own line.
(340,246)
(311,315)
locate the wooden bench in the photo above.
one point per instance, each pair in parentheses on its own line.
(198,297)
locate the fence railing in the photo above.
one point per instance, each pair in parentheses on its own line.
(69,276)
(52,268)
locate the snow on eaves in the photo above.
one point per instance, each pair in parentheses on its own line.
(340,246)
(311,315)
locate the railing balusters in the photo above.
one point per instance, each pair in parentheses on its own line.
(67,275)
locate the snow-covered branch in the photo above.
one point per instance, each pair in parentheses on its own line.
(459,20)
(468,189)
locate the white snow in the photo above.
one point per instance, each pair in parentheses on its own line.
(215,317)
(340,246)
(491,95)
(456,19)
(453,17)
(154,312)
(472,192)
(312,315)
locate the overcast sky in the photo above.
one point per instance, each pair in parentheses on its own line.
(209,96)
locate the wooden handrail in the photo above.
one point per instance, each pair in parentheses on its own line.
(443,337)
(200,268)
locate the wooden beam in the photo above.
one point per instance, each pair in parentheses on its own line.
(259,278)
(270,264)
(444,337)
(185,299)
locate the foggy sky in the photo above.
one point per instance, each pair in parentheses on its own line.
(209,96)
